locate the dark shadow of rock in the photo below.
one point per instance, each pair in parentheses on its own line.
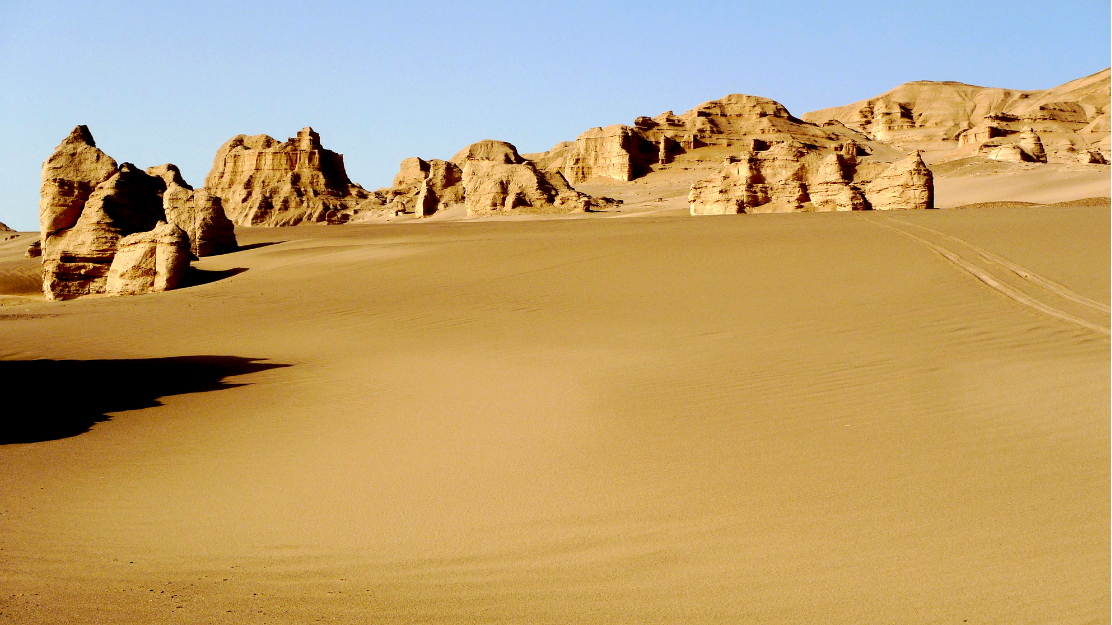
(65,398)
(251,246)
(195,277)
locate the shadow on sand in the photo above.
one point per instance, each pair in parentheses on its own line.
(70,396)
(196,277)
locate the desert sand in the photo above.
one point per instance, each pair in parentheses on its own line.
(626,417)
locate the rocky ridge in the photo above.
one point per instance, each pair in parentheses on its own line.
(951,120)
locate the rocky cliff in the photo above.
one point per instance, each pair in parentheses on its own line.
(263,182)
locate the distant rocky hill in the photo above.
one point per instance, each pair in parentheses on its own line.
(952,120)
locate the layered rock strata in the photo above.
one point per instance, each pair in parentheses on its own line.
(149,262)
(790,177)
(263,182)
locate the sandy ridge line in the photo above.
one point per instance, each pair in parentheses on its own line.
(989,280)
(1018,270)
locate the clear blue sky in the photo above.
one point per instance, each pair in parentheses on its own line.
(169,82)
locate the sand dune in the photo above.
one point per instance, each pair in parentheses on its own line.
(654,419)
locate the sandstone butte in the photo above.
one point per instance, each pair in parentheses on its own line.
(263,182)
(951,120)
(89,204)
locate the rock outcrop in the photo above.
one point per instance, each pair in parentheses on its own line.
(89,204)
(4,227)
(263,182)
(791,177)
(76,260)
(1031,144)
(485,178)
(149,262)
(34,250)
(742,122)
(69,176)
(197,212)
(955,120)
(907,185)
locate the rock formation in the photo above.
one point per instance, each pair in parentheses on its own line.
(89,204)
(741,122)
(34,250)
(262,182)
(5,228)
(197,212)
(789,177)
(955,120)
(149,262)
(69,176)
(907,184)
(485,178)
(1030,143)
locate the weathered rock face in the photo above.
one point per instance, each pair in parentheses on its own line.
(196,211)
(262,182)
(791,176)
(89,205)
(1030,143)
(149,262)
(956,120)
(617,152)
(76,259)
(629,152)
(488,177)
(4,227)
(907,184)
(69,176)
(34,250)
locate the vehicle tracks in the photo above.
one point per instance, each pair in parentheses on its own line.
(994,265)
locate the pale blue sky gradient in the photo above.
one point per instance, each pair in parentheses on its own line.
(169,82)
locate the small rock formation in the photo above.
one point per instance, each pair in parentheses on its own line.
(792,177)
(262,182)
(487,177)
(1009,152)
(149,262)
(196,211)
(907,184)
(1030,143)
(5,228)
(34,250)
(1091,156)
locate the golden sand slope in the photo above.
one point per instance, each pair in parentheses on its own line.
(765,418)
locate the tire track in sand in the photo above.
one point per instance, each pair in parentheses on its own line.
(1030,276)
(998,285)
